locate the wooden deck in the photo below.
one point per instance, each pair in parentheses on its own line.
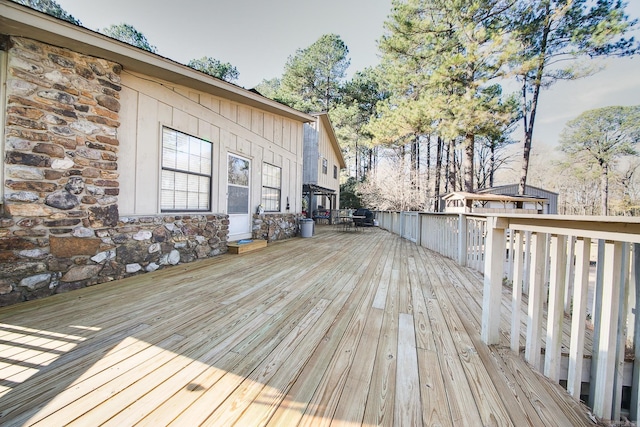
(344,328)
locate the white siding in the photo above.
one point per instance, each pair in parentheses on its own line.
(231,128)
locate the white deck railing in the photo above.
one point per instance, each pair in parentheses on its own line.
(554,260)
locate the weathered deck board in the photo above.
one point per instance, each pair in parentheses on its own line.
(355,328)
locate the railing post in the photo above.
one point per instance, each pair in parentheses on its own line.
(493,270)
(634,409)
(462,240)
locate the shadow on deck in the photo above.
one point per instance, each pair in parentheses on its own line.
(346,327)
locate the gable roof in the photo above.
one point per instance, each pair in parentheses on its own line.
(22,21)
(324,117)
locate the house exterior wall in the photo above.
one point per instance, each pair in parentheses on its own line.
(318,148)
(82,167)
(148,105)
(326,151)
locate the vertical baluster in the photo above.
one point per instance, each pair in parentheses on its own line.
(526,272)
(510,259)
(571,269)
(534,309)
(596,315)
(483,254)
(622,331)
(578,316)
(605,370)
(555,308)
(516,298)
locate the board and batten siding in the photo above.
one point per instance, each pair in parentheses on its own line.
(260,136)
(326,151)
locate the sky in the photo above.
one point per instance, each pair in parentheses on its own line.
(257,37)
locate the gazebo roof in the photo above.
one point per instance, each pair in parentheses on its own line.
(462,195)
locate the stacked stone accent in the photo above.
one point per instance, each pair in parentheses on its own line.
(272,227)
(60,227)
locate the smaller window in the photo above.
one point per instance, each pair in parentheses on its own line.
(325,166)
(271,187)
(335,172)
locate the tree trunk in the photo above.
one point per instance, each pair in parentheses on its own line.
(436,186)
(528,126)
(604,192)
(451,166)
(467,162)
(428,160)
(492,163)
(357,156)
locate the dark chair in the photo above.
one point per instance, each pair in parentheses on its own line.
(367,221)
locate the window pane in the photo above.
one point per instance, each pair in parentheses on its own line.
(271,199)
(169,157)
(166,199)
(168,180)
(238,171)
(186,186)
(238,200)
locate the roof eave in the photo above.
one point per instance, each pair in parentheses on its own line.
(21,21)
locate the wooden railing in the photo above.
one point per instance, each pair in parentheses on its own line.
(557,262)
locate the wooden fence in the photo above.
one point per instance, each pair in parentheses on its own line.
(558,262)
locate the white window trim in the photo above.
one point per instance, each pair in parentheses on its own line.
(278,188)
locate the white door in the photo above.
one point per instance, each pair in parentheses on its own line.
(238,196)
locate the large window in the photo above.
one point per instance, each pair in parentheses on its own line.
(325,166)
(186,172)
(271,185)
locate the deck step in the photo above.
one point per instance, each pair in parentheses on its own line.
(244,246)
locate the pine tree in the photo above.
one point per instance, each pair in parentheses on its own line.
(550,36)
(600,137)
(313,76)
(213,67)
(440,57)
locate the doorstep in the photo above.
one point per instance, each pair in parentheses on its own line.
(244,246)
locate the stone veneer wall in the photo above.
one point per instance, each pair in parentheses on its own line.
(272,227)
(60,227)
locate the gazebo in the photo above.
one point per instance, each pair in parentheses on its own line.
(463,202)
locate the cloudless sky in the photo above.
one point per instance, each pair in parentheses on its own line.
(257,37)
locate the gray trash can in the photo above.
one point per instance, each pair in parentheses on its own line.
(306,227)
